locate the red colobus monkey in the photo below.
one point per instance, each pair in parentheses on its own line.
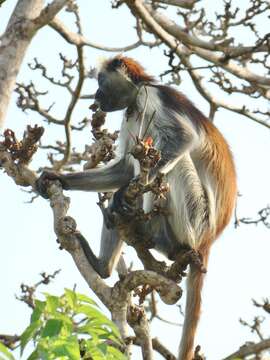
(197,163)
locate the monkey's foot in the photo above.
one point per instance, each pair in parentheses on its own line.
(44,180)
(121,207)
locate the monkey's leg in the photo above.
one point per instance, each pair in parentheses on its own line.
(110,251)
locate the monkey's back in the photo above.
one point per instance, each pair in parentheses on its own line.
(214,164)
(218,158)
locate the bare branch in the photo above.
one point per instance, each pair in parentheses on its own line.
(255,327)
(138,320)
(263,217)
(214,52)
(80,40)
(9,341)
(249,349)
(205,50)
(26,19)
(187,4)
(74,99)
(28,291)
(162,350)
(13,45)
(29,99)
(157,346)
(49,12)
(168,290)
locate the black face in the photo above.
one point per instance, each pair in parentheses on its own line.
(107,101)
(115,92)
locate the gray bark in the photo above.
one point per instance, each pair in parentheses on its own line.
(13,45)
(24,22)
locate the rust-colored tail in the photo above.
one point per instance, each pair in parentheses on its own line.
(193,309)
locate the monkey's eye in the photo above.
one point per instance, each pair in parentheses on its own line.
(114,64)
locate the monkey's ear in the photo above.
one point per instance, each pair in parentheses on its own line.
(114,64)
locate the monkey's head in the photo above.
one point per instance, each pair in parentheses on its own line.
(119,80)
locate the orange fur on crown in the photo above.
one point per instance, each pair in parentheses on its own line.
(132,68)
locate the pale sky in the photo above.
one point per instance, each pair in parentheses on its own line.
(239,262)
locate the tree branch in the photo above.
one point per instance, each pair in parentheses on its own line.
(25,20)
(164,28)
(249,349)
(186,4)
(49,12)
(80,40)
(205,50)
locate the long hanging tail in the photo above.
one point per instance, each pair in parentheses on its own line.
(193,309)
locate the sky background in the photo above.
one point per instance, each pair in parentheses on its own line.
(239,262)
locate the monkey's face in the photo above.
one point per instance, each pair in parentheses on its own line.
(115,91)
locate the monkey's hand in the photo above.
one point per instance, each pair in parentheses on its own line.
(44,180)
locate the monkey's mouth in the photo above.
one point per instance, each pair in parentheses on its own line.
(100,100)
(98,95)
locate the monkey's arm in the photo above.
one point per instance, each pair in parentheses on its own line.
(107,178)
(176,137)
(173,140)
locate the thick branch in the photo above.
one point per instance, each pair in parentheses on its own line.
(168,290)
(69,238)
(158,347)
(26,19)
(65,227)
(13,45)
(138,321)
(49,12)
(161,349)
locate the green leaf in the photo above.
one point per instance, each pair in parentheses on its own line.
(68,347)
(71,298)
(52,303)
(99,319)
(67,323)
(85,299)
(115,354)
(52,328)
(4,351)
(109,335)
(34,355)
(38,311)
(93,313)
(29,334)
(94,351)
(91,330)
(103,348)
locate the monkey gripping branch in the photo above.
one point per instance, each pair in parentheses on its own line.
(15,157)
